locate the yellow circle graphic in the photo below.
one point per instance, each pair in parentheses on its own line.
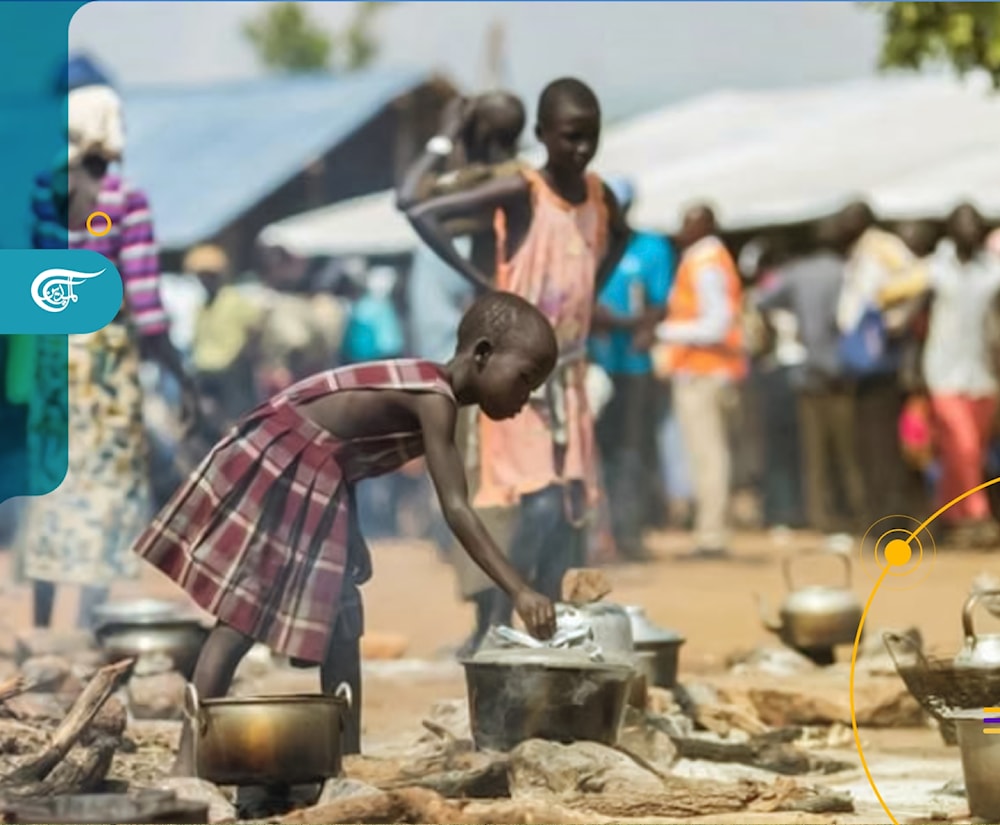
(894,554)
(898,552)
(107,224)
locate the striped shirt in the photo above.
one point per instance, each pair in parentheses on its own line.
(130,245)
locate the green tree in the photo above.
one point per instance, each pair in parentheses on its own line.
(286,39)
(964,35)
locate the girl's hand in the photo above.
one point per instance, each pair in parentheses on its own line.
(537,613)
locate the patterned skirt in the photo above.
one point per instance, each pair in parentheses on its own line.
(263,535)
(81,533)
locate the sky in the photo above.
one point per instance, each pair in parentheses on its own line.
(637,56)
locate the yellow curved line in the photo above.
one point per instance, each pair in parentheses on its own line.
(854,718)
(952,503)
(861,625)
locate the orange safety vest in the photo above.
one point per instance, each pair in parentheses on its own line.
(727,358)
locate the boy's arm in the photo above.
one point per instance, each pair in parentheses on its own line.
(618,237)
(437,419)
(428,219)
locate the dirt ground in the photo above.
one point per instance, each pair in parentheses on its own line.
(710,603)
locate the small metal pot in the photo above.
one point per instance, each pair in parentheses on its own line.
(816,617)
(143,628)
(511,702)
(657,651)
(980,763)
(981,650)
(145,806)
(610,627)
(257,740)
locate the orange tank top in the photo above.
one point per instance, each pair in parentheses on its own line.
(556,269)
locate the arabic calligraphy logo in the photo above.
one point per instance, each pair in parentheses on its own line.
(52,290)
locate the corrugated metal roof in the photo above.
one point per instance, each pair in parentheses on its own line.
(205,155)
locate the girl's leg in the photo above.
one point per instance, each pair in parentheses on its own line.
(213,674)
(91,598)
(44,601)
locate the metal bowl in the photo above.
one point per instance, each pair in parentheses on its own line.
(140,611)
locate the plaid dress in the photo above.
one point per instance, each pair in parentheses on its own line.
(263,534)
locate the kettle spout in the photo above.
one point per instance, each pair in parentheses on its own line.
(773,625)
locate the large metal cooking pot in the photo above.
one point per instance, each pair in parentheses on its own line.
(144,806)
(816,617)
(657,651)
(514,700)
(980,764)
(291,739)
(981,651)
(148,627)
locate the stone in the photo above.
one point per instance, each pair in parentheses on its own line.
(661,702)
(37,707)
(585,585)
(45,674)
(383,646)
(540,768)
(220,809)
(160,696)
(45,642)
(819,699)
(342,787)
(778,661)
(152,664)
(650,744)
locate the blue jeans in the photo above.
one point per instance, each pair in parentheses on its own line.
(546,543)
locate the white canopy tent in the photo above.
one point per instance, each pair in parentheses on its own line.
(913,147)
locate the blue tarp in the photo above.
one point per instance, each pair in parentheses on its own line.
(205,155)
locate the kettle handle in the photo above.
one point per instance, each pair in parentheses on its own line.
(786,565)
(970,603)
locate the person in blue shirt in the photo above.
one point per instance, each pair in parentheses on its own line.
(631,304)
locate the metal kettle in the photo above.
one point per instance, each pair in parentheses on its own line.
(981,650)
(816,616)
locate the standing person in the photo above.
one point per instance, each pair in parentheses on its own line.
(559,234)
(810,288)
(264,534)
(80,533)
(705,359)
(629,306)
(878,262)
(225,329)
(964,281)
(776,352)
(478,141)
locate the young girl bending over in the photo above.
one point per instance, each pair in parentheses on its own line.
(264,536)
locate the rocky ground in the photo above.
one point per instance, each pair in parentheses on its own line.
(756,734)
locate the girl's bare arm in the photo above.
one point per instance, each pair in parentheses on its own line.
(437,418)
(428,219)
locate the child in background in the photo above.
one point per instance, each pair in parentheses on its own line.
(559,234)
(264,533)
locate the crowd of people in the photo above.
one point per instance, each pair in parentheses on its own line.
(838,377)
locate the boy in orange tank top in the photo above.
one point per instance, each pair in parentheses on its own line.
(560,233)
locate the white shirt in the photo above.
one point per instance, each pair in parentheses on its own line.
(955,354)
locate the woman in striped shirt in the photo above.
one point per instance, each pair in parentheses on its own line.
(81,533)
